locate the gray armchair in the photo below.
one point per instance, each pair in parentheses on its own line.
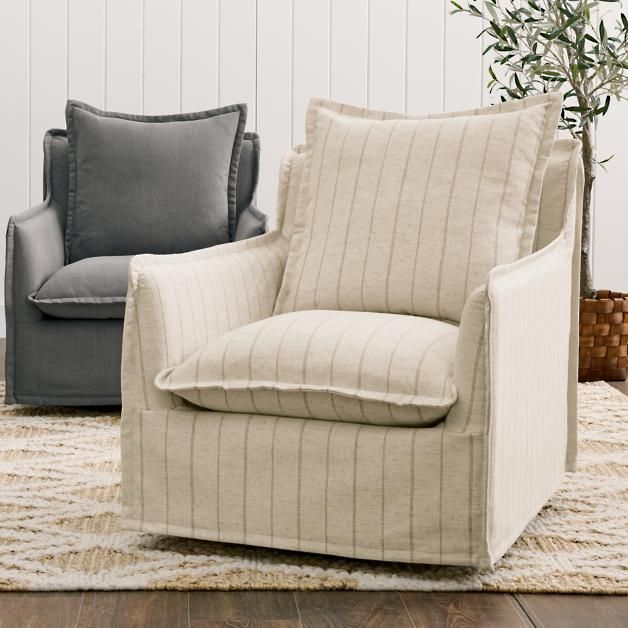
(66,350)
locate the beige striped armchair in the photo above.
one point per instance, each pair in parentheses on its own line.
(458,492)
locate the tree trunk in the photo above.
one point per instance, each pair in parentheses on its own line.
(588,161)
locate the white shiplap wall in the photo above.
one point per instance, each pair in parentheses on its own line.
(160,56)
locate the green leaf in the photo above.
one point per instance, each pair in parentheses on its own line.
(571,21)
(497,29)
(490,7)
(538,45)
(607,102)
(513,36)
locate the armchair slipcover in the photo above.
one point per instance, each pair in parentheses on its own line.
(459,492)
(84,349)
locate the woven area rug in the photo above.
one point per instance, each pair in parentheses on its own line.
(60,503)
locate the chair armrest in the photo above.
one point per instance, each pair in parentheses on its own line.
(512,370)
(34,251)
(178,303)
(512,359)
(251,223)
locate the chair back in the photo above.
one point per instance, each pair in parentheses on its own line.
(56,170)
(556,193)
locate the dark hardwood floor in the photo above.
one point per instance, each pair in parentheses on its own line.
(284,609)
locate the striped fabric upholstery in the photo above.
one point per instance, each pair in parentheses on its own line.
(383,493)
(361,367)
(290,177)
(471,366)
(377,114)
(556,186)
(209,292)
(408,216)
(528,402)
(456,493)
(560,179)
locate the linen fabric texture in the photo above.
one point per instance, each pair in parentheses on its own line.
(94,287)
(361,367)
(151,184)
(458,492)
(408,216)
(86,353)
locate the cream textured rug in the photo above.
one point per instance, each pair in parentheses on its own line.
(59,507)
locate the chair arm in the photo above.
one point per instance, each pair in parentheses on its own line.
(512,371)
(252,222)
(34,251)
(177,303)
(512,358)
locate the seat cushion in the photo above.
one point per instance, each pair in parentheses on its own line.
(92,288)
(409,216)
(359,367)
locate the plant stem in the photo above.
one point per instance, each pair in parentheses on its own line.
(588,162)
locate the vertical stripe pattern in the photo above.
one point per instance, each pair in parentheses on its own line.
(350,214)
(458,492)
(366,501)
(363,367)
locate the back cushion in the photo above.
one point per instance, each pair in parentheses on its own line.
(560,170)
(151,184)
(408,216)
(56,169)
(290,176)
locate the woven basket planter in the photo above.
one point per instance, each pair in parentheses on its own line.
(604,337)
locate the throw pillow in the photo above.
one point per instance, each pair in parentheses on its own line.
(151,184)
(409,215)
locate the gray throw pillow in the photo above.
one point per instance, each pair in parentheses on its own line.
(151,184)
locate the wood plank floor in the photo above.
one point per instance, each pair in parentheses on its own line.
(284,609)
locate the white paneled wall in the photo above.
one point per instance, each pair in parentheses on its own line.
(162,56)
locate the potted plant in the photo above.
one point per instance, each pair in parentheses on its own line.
(542,45)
